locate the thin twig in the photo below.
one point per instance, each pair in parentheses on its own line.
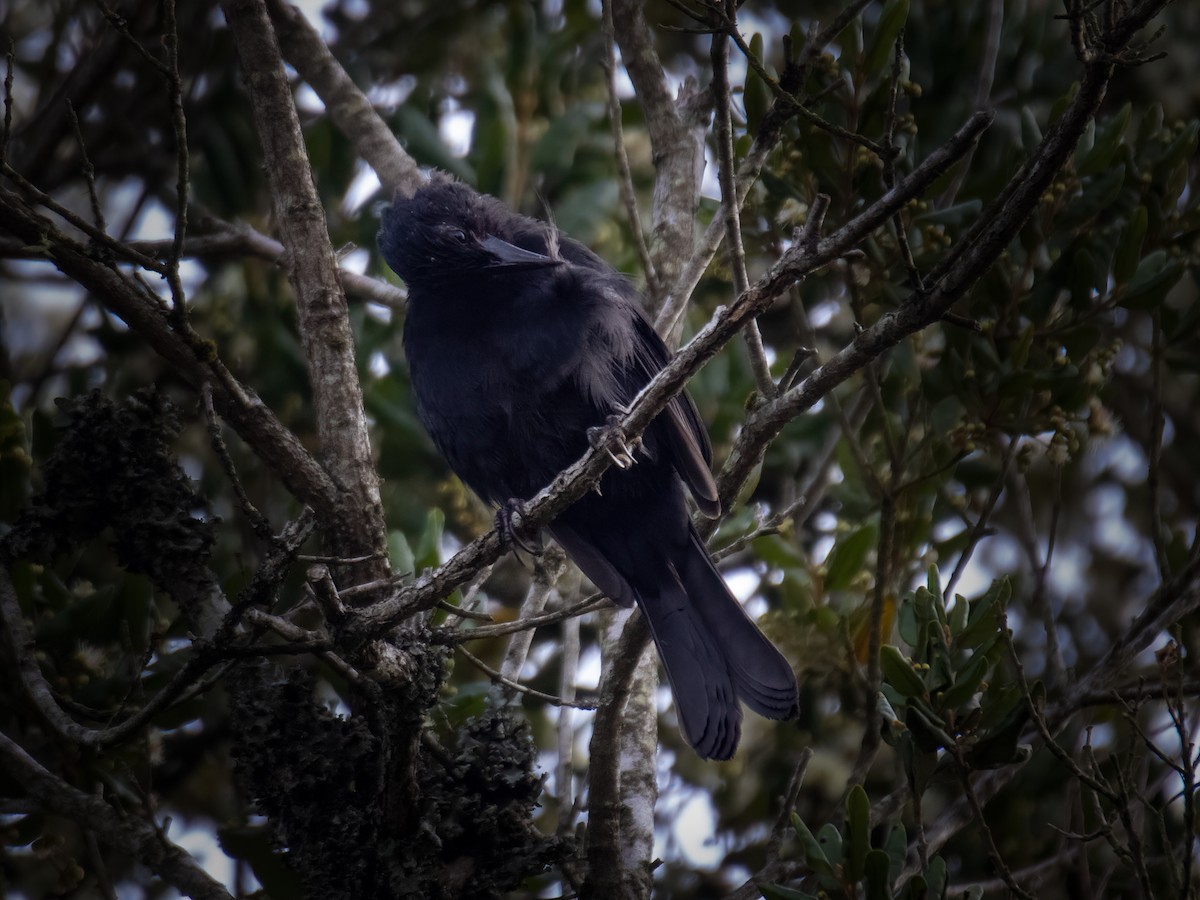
(723,135)
(497,678)
(624,173)
(182,176)
(89,171)
(993,497)
(258,522)
(9,59)
(1156,440)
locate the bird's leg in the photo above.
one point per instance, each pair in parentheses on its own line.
(509,525)
(610,438)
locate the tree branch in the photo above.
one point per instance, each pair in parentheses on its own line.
(320,303)
(347,106)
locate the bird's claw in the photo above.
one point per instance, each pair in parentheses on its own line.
(611,439)
(509,526)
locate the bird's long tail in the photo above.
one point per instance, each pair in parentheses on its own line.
(715,655)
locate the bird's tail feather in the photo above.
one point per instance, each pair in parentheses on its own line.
(714,654)
(705,697)
(762,676)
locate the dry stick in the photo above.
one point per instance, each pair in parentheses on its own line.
(141,839)
(624,174)
(723,134)
(322,313)
(348,107)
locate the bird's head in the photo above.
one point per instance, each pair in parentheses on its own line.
(446,231)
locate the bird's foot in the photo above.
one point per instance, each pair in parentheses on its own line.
(610,438)
(510,525)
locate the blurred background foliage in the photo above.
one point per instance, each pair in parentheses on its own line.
(1046,427)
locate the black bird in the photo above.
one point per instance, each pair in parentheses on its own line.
(519,340)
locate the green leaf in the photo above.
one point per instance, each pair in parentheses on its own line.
(830,840)
(927,730)
(1000,747)
(428,553)
(813,854)
(935,878)
(1086,278)
(966,684)
(877,871)
(847,557)
(985,614)
(958,616)
(756,95)
(1156,274)
(1098,196)
(896,847)
(933,580)
(891,20)
(918,766)
(1031,132)
(858,833)
(910,627)
(253,845)
(400,554)
(1182,148)
(899,672)
(1106,144)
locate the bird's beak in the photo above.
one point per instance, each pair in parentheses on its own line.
(513,257)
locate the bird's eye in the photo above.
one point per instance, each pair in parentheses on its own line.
(457,235)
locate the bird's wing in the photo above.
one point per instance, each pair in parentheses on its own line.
(686,436)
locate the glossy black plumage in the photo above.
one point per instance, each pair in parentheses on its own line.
(518,341)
